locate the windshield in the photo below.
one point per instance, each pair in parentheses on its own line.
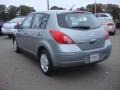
(18,19)
(78,20)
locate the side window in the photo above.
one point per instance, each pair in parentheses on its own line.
(27,22)
(44,21)
(39,21)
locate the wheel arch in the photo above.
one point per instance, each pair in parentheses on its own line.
(43,47)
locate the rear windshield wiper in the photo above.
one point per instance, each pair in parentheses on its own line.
(81,27)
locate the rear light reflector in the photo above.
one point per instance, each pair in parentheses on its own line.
(107,35)
(61,37)
(110,24)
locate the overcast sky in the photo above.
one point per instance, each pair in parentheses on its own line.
(41,4)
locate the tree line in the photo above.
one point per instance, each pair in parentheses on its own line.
(113,9)
(7,13)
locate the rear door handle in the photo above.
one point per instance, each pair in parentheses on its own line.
(81,42)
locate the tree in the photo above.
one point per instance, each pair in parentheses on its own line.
(99,8)
(57,8)
(2,9)
(81,9)
(2,12)
(114,10)
(12,10)
(25,10)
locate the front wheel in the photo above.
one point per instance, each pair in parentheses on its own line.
(45,62)
(10,36)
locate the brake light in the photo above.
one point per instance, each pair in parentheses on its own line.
(110,24)
(61,37)
(107,35)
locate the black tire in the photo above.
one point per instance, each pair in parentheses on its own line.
(49,70)
(16,49)
(10,36)
(113,33)
(0,31)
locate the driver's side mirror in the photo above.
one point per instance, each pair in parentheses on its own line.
(18,26)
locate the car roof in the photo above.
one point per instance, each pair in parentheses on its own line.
(59,11)
(108,14)
(102,13)
(20,17)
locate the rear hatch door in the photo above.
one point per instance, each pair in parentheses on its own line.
(87,40)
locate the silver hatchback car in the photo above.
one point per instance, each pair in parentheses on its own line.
(63,39)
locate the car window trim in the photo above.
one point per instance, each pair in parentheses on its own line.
(30,23)
(42,19)
(33,20)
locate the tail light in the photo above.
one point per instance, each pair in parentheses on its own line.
(110,24)
(61,37)
(107,35)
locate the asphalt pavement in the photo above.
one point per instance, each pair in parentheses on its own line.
(22,72)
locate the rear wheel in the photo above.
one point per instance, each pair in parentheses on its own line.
(45,62)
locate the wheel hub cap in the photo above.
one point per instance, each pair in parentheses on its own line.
(44,62)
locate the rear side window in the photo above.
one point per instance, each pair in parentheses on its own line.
(39,21)
(78,21)
(27,22)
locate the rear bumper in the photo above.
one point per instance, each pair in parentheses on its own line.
(111,30)
(80,58)
(8,31)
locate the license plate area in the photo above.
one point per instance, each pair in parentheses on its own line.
(94,57)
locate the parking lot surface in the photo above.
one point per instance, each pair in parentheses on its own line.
(21,72)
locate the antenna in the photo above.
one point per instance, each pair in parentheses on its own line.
(48,4)
(95,7)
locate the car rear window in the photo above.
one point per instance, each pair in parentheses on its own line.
(77,20)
